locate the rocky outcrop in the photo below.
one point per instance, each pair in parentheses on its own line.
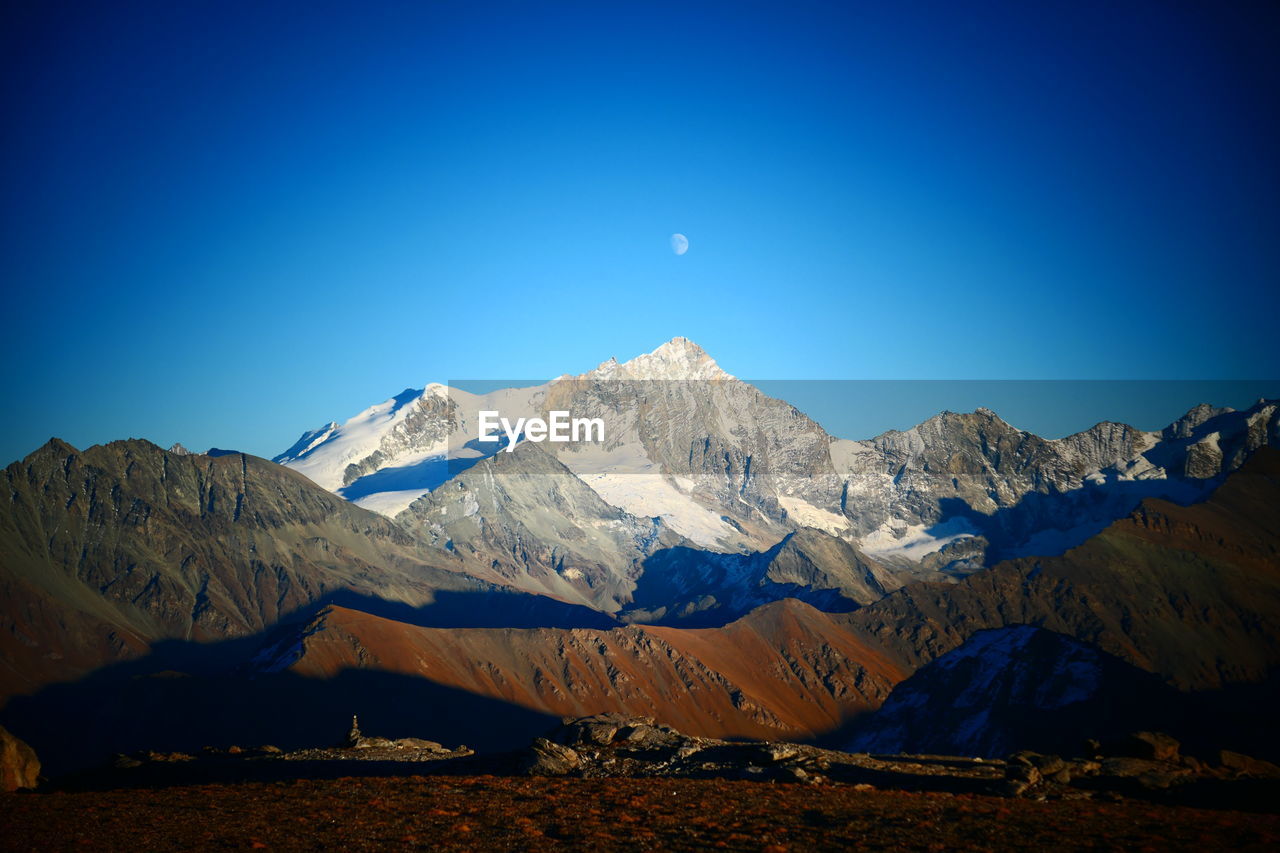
(524,520)
(19,767)
(1154,746)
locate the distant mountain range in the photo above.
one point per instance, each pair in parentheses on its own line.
(719,562)
(696,458)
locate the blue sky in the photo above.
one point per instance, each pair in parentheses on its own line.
(226,223)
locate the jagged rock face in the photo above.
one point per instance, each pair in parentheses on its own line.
(976,458)
(429,420)
(1010,689)
(1190,593)
(1026,495)
(107,550)
(733,470)
(524,520)
(687,586)
(751,462)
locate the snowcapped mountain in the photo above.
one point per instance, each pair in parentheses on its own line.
(692,456)
(392,453)
(679,358)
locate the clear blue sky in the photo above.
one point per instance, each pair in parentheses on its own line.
(227,223)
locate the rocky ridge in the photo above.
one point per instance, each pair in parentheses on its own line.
(730,470)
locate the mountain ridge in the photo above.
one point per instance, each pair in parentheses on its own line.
(1191,594)
(108,550)
(702,449)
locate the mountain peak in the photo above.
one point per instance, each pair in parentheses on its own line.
(680,346)
(1184,426)
(54,448)
(678,358)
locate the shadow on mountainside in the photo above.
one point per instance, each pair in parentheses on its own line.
(482,609)
(1046,524)
(1238,717)
(689,587)
(140,705)
(183,695)
(425,475)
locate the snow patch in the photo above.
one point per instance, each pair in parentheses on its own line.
(897,538)
(390,504)
(625,477)
(804,513)
(325,459)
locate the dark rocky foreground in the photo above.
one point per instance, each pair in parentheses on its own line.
(621,782)
(522,813)
(1145,765)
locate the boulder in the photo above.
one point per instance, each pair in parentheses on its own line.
(1046,764)
(1159,780)
(599,734)
(1018,777)
(603,729)
(1127,768)
(19,767)
(418,743)
(1083,767)
(547,758)
(1153,746)
(1247,765)
(644,736)
(794,774)
(775,753)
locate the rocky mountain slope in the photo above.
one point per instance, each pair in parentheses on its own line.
(524,520)
(1189,594)
(107,551)
(1016,688)
(734,471)
(786,670)
(689,586)
(705,505)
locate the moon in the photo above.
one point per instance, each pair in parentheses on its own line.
(679,244)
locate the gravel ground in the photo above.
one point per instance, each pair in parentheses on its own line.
(506,813)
